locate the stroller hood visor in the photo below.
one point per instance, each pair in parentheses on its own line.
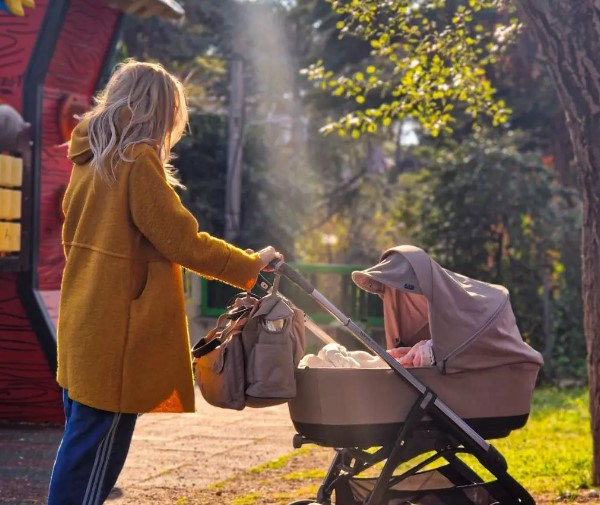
(471,323)
(388,272)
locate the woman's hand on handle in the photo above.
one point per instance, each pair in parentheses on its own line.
(267,255)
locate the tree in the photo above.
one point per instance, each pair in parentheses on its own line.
(439,69)
(428,61)
(198,52)
(569,33)
(487,207)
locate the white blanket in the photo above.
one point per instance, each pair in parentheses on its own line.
(337,356)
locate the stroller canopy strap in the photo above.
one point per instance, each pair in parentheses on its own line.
(471,323)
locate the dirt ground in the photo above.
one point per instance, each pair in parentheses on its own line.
(281,482)
(192,477)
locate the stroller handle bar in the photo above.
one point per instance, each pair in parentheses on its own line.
(287,271)
(451,419)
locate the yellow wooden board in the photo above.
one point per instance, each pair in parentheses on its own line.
(10,204)
(11,171)
(10,237)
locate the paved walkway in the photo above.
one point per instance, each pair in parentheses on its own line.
(171,453)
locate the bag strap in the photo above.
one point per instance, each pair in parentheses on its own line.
(244,294)
(203,347)
(211,341)
(276,281)
(221,333)
(272,288)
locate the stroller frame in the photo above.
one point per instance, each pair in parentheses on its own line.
(449,437)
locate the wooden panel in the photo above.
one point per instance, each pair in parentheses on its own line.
(28,391)
(75,69)
(17,41)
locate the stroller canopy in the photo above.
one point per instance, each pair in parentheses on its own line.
(470,323)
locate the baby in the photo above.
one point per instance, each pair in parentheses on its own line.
(420,354)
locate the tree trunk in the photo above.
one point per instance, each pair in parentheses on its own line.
(569,34)
(562,154)
(549,333)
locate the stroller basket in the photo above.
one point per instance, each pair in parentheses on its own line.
(427,488)
(479,388)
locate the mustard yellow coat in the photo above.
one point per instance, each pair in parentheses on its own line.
(123,342)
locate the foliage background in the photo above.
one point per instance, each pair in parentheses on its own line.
(354,144)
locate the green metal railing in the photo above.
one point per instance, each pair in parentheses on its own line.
(333,281)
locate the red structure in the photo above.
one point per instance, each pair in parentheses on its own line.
(51,63)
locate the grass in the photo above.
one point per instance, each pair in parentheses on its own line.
(553,452)
(248,499)
(280,462)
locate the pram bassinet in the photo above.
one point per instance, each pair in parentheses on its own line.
(480,388)
(339,407)
(484,371)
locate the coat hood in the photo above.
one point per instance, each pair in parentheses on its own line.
(80,151)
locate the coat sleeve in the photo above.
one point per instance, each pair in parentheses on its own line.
(158,213)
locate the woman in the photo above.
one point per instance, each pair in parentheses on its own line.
(123,345)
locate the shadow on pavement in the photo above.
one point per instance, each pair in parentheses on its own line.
(27,453)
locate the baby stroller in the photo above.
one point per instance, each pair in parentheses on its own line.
(480,388)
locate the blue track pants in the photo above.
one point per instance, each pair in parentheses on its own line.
(91,455)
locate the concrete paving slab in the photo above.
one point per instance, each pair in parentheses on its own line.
(181,452)
(186,452)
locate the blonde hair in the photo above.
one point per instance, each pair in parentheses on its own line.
(142,103)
